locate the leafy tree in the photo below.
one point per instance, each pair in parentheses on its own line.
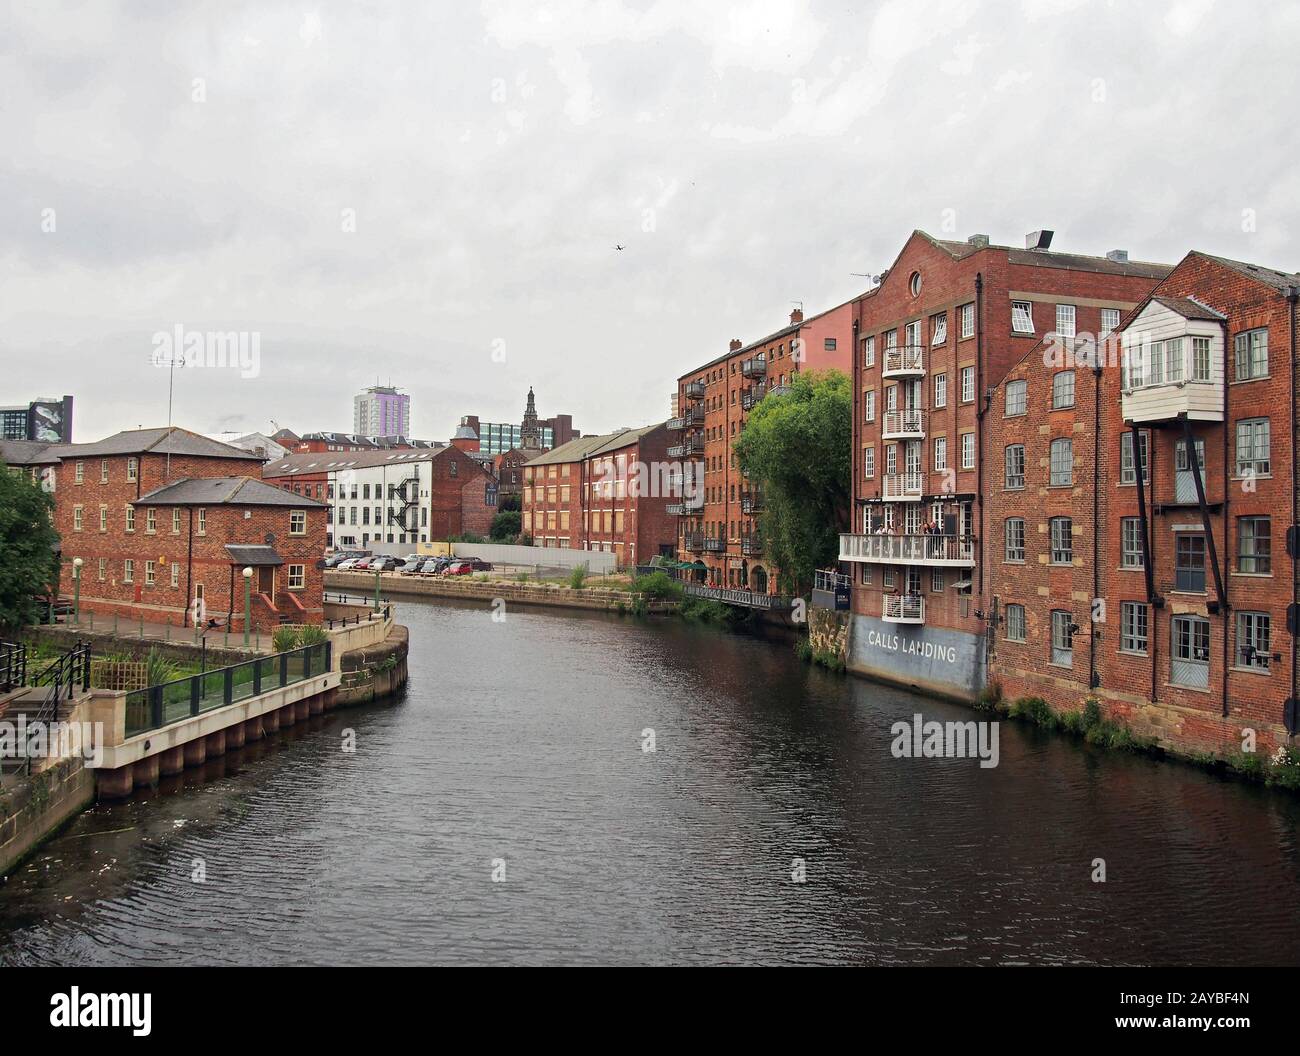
(29,565)
(506,525)
(796,447)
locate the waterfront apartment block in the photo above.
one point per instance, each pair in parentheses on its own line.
(718,513)
(397,496)
(933,342)
(609,493)
(1155,474)
(164,521)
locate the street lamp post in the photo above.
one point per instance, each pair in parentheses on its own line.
(248,602)
(76,590)
(376,590)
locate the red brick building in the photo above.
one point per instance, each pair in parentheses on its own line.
(403,497)
(934,341)
(718,514)
(164,518)
(608,493)
(1188,636)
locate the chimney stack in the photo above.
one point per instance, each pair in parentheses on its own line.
(1039,240)
(796,316)
(1118,256)
(979,241)
(736,346)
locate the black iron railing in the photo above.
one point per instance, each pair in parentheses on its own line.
(162,705)
(13,665)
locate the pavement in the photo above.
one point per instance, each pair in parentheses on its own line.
(103,626)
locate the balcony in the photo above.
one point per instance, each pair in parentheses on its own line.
(903,608)
(693,390)
(748,599)
(831,590)
(905,362)
(751,502)
(752,395)
(941,551)
(751,545)
(907,424)
(692,445)
(714,545)
(693,541)
(686,508)
(903,487)
(754,367)
(692,418)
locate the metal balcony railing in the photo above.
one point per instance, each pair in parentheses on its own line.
(909,423)
(691,445)
(750,397)
(889,549)
(904,608)
(754,367)
(751,545)
(751,501)
(693,390)
(905,362)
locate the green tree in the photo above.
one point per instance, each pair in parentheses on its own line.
(796,447)
(506,525)
(27,541)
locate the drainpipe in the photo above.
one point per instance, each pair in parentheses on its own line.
(1093,681)
(1293,300)
(1225,608)
(982,406)
(189,566)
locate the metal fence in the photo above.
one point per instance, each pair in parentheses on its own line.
(162,705)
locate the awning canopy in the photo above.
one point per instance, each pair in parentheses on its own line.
(253,555)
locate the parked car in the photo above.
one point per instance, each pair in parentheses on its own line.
(362,564)
(383,564)
(432,565)
(479,565)
(458,568)
(348,563)
(411,565)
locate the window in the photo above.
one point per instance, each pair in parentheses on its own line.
(176,574)
(941,390)
(103,471)
(298,521)
(914,284)
(1189,562)
(77,517)
(891,460)
(889,578)
(455,470)
(967,384)
(936,581)
(869,405)
(1063,389)
(1254,545)
(103,518)
(1015,540)
(1022,317)
(130,518)
(869,351)
(176,520)
(967,450)
(1065,320)
(1127,471)
(1015,463)
(1109,320)
(103,569)
(1017,394)
(1252,640)
(1252,354)
(80,474)
(1174,360)
(151,519)
(132,469)
(1015,623)
(828,344)
(939,328)
(150,574)
(202,527)
(967,312)
(1130,533)
(891,398)
(1252,448)
(128,571)
(1062,535)
(1063,628)
(1062,465)
(1200,359)
(297,577)
(1133,627)
(1190,662)
(869,462)
(940,452)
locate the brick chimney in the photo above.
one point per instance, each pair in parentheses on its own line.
(796,316)
(736,345)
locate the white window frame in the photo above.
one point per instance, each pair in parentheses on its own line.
(1022,317)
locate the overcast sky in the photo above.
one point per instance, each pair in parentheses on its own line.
(430,194)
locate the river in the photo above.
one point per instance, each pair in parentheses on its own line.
(517,751)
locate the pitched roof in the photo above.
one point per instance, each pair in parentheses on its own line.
(1049,258)
(1278,280)
(223,491)
(165,441)
(340,461)
(28,453)
(591,446)
(253,554)
(1190,309)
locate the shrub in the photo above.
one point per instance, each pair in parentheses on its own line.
(990,697)
(284,638)
(803,649)
(1035,710)
(577,577)
(159,669)
(658,586)
(312,634)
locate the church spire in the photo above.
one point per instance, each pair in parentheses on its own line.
(530,433)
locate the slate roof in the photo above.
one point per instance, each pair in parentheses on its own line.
(253,555)
(590,446)
(28,453)
(1190,309)
(1279,280)
(223,491)
(339,461)
(166,441)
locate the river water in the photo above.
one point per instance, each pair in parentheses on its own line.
(517,751)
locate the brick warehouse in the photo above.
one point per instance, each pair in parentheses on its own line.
(162,518)
(609,493)
(934,339)
(397,496)
(718,515)
(1189,641)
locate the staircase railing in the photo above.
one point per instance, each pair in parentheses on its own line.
(13,665)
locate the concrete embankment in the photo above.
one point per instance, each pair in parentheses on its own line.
(544,594)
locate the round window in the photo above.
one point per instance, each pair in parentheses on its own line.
(915,284)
